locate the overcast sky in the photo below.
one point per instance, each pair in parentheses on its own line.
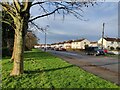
(72,28)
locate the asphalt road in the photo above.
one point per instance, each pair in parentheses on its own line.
(102,66)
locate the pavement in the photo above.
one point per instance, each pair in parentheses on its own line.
(102,66)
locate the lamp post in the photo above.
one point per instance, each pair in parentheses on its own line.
(45,48)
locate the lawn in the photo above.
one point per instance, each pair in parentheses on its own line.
(113,56)
(43,70)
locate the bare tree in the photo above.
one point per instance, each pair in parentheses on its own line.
(19,10)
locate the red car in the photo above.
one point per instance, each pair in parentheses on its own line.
(105,50)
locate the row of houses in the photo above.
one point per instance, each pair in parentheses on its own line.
(74,44)
(81,43)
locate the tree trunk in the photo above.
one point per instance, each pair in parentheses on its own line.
(13,53)
(21,26)
(18,48)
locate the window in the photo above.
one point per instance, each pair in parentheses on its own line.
(85,43)
(112,42)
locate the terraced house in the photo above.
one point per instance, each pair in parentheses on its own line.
(67,44)
(93,44)
(80,43)
(109,43)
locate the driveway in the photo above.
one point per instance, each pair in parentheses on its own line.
(102,66)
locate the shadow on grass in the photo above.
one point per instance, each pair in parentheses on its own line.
(46,70)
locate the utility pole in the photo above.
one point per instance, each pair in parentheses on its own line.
(103,34)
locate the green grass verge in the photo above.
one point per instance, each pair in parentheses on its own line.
(42,70)
(113,56)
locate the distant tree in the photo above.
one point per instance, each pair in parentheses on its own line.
(20,13)
(30,40)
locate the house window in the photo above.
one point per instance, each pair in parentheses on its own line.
(85,43)
(112,42)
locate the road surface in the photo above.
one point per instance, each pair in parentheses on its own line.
(102,66)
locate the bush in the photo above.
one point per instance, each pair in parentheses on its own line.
(86,47)
(111,48)
(6,52)
(118,48)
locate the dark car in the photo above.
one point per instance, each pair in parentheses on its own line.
(94,51)
(56,49)
(100,52)
(62,49)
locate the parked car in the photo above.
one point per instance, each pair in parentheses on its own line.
(105,50)
(62,49)
(56,49)
(52,48)
(94,51)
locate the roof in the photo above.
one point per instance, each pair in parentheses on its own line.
(79,40)
(53,43)
(93,42)
(112,39)
(69,41)
(60,42)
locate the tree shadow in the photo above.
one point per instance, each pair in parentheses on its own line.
(46,70)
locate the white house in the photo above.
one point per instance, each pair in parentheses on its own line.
(55,45)
(93,44)
(109,42)
(37,46)
(67,44)
(80,44)
(61,44)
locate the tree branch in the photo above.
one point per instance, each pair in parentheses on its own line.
(25,5)
(17,5)
(37,26)
(43,8)
(9,23)
(47,14)
(9,11)
(37,3)
(8,6)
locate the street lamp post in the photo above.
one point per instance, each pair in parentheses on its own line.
(45,48)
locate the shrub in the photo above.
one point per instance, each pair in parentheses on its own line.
(6,52)
(86,47)
(117,48)
(111,48)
